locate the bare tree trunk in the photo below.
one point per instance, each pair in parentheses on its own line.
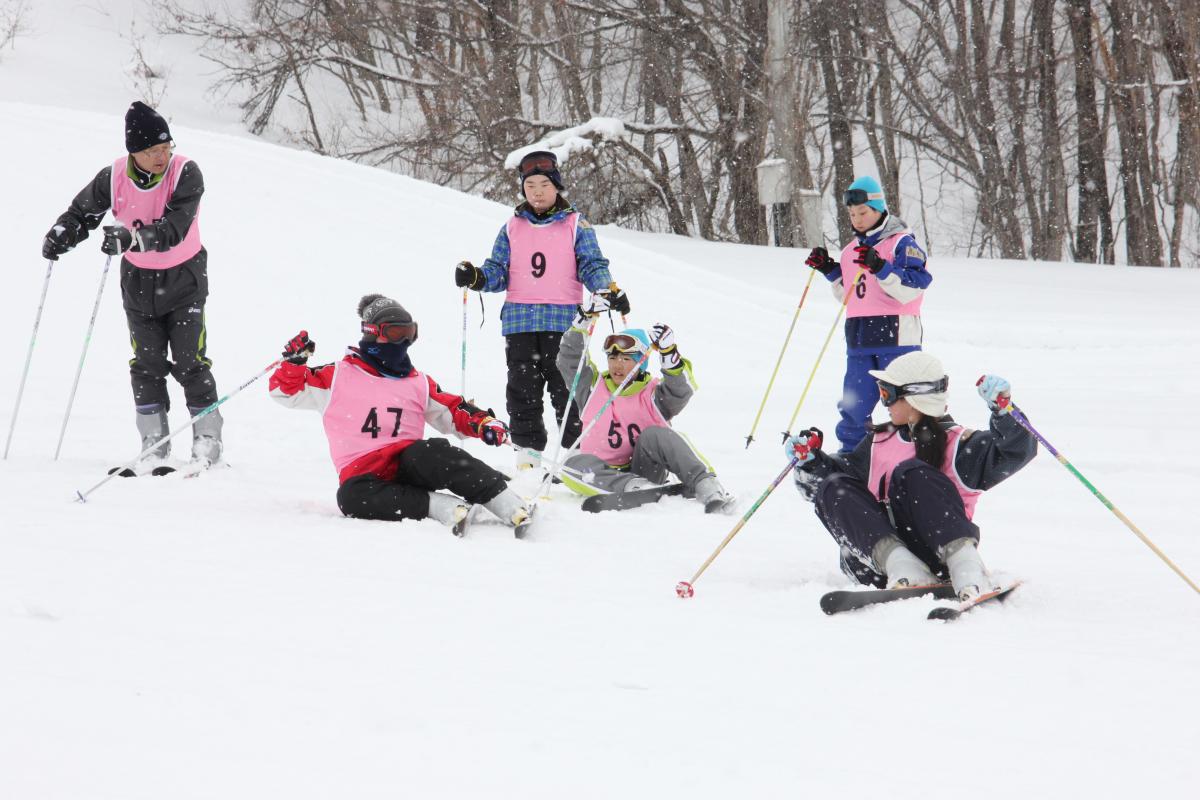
(1143,245)
(1094,225)
(827,19)
(1048,242)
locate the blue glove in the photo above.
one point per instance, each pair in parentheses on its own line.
(996,392)
(803,446)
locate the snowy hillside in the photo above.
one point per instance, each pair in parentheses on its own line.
(234,637)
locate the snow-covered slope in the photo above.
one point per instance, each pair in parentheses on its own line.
(234,636)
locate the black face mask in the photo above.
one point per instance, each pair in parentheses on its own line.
(389,358)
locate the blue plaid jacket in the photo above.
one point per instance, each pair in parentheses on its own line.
(591,265)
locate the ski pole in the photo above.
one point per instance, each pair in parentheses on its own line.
(1024,423)
(79,370)
(82,496)
(779,361)
(562,428)
(684,588)
(463,384)
(37,320)
(556,467)
(817,363)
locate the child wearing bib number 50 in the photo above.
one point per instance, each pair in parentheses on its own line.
(633,446)
(883,313)
(544,257)
(374,405)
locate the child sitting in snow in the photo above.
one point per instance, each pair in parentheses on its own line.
(633,446)
(374,405)
(901,504)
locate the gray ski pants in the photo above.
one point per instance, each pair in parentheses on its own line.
(658,451)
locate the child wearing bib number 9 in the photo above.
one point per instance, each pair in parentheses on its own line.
(633,446)
(883,312)
(544,257)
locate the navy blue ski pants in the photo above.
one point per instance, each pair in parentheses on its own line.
(926,512)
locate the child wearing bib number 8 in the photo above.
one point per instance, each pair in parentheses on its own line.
(883,312)
(633,445)
(544,257)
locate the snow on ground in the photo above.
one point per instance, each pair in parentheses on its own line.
(234,636)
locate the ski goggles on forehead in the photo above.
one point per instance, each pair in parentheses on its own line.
(538,162)
(623,344)
(889,393)
(392,331)
(858,197)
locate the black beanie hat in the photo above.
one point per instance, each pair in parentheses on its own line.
(144,127)
(539,162)
(375,308)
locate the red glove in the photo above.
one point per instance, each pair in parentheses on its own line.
(802,446)
(299,348)
(492,431)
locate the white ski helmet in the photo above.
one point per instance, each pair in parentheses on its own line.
(920,379)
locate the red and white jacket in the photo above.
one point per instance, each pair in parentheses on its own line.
(315,388)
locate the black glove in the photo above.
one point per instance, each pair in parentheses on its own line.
(869,259)
(468,276)
(117,239)
(819,260)
(617,300)
(299,348)
(59,240)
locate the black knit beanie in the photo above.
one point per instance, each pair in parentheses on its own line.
(375,308)
(144,127)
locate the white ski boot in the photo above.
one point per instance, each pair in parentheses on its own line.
(528,458)
(449,510)
(901,567)
(510,508)
(713,497)
(206,441)
(967,572)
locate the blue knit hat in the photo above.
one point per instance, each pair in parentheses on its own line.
(873,192)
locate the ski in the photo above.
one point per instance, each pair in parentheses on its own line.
(850,600)
(951,613)
(522,529)
(459,528)
(622,501)
(128,472)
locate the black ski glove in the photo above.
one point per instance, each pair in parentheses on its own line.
(869,259)
(59,240)
(819,260)
(299,348)
(468,276)
(117,239)
(617,300)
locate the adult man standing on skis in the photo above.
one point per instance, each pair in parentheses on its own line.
(155,197)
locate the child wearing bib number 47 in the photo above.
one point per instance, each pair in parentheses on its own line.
(543,257)
(633,446)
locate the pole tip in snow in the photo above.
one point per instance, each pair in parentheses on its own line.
(79,498)
(684,589)
(749,439)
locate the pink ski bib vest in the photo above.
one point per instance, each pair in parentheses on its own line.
(541,263)
(613,436)
(134,207)
(888,450)
(367,413)
(868,298)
